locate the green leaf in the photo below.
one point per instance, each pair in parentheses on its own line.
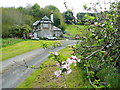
(32,66)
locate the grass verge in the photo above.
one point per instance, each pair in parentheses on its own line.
(43,78)
(21,47)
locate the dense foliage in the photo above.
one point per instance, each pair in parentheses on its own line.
(12,16)
(69,17)
(99,52)
(15,21)
(82,18)
(98,55)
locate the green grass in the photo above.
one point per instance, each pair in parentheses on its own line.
(21,47)
(43,78)
(72,30)
(10,41)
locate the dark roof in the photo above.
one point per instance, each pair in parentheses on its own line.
(45,20)
(36,23)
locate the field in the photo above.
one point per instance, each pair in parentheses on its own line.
(43,78)
(21,47)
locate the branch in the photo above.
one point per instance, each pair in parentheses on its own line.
(94,52)
(83,51)
(89,46)
(85,47)
(89,78)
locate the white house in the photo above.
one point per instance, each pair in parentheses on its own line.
(43,28)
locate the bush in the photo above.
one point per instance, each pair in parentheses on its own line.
(20,31)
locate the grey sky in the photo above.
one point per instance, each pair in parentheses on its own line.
(77,5)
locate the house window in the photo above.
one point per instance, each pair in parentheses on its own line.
(45,25)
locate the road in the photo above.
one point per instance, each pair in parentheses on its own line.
(13,74)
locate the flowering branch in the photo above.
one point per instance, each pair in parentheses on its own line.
(64,66)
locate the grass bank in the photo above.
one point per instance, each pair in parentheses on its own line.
(72,30)
(21,47)
(43,78)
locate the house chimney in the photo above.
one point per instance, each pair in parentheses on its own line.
(51,16)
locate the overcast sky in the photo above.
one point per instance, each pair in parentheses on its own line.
(77,5)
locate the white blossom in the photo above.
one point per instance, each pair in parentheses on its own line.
(55,53)
(58,73)
(68,71)
(66,66)
(78,60)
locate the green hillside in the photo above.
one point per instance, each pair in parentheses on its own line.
(72,30)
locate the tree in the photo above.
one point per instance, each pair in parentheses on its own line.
(101,48)
(118,17)
(10,16)
(83,17)
(52,8)
(14,16)
(80,16)
(36,11)
(20,31)
(69,18)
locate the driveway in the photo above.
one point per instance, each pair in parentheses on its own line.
(13,74)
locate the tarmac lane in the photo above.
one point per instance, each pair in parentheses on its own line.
(13,73)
